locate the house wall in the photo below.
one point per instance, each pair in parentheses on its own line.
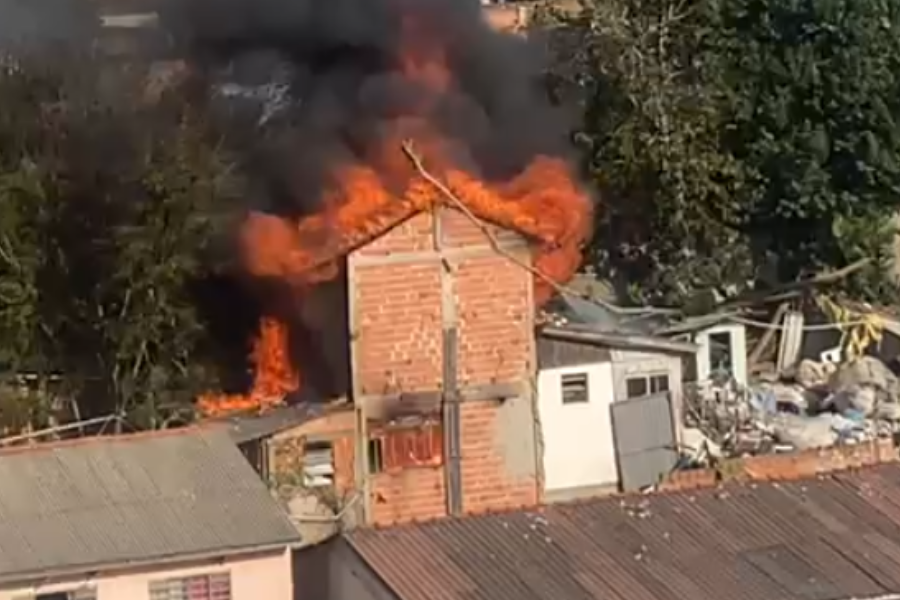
(252,577)
(497,466)
(434,307)
(579,450)
(334,571)
(314,510)
(286,450)
(631,363)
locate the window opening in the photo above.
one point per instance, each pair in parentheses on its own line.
(575,388)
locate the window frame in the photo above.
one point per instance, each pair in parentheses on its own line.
(314,476)
(79,593)
(582,379)
(165,588)
(651,384)
(715,343)
(395,449)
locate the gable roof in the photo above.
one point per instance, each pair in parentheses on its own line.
(557,221)
(115,501)
(819,539)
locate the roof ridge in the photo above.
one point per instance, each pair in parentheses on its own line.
(101,439)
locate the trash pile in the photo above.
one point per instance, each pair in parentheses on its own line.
(819,405)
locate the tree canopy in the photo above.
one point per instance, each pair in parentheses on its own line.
(737,142)
(108,205)
(734,144)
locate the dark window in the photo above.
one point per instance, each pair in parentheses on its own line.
(318,464)
(659,384)
(636,387)
(202,587)
(80,594)
(646,385)
(254,452)
(376,455)
(720,359)
(575,388)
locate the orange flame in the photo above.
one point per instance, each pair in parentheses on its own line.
(543,203)
(274,374)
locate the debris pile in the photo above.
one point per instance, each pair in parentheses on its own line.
(817,405)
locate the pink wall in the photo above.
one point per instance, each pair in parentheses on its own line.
(260,577)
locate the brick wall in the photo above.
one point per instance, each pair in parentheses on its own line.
(286,450)
(413,495)
(780,467)
(396,313)
(402,290)
(495,472)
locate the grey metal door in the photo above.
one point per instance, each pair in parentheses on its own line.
(645,440)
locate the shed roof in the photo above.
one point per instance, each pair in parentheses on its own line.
(244,428)
(114,501)
(819,539)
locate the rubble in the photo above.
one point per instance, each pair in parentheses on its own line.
(818,405)
(868,372)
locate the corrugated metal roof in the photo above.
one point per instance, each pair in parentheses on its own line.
(246,428)
(111,501)
(821,539)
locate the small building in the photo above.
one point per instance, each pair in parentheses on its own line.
(163,516)
(305,454)
(722,346)
(609,409)
(818,538)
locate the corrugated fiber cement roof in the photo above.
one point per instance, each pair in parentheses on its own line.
(114,501)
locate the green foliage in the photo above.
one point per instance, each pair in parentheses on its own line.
(732,136)
(812,107)
(108,206)
(650,135)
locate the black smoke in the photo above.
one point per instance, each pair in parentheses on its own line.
(314,84)
(331,66)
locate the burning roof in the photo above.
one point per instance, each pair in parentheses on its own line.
(399,106)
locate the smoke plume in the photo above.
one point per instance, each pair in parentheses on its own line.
(340,62)
(339,86)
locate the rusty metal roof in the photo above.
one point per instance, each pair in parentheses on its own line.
(821,539)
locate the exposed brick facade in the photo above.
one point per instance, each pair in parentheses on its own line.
(487,481)
(783,467)
(436,271)
(286,450)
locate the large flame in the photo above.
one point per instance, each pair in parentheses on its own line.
(543,203)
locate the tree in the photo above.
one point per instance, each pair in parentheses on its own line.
(110,206)
(811,112)
(650,132)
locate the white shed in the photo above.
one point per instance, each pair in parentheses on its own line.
(608,409)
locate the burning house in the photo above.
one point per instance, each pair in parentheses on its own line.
(420,208)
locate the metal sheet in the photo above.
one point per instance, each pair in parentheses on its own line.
(644,439)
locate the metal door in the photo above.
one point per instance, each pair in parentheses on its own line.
(644,435)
